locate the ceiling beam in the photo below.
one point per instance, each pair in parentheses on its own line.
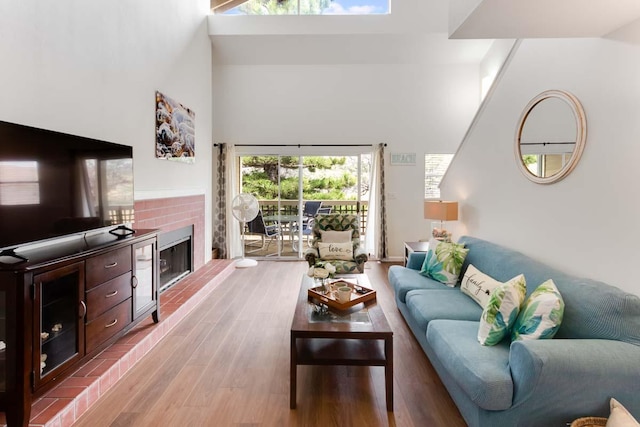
(219,6)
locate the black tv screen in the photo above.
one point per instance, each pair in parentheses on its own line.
(54,184)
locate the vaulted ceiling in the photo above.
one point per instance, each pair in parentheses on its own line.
(491,19)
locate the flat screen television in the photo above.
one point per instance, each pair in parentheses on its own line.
(54,184)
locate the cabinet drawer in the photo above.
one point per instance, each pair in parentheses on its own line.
(102,298)
(108,324)
(107,266)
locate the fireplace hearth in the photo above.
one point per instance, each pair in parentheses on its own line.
(176,256)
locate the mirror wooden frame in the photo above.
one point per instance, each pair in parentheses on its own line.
(581,135)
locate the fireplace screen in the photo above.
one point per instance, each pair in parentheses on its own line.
(176,259)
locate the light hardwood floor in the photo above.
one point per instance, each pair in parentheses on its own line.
(227,364)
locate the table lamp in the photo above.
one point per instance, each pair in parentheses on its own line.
(442,211)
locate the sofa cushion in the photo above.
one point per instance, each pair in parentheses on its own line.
(404,280)
(427,305)
(596,310)
(592,309)
(444,262)
(501,312)
(541,314)
(503,263)
(482,372)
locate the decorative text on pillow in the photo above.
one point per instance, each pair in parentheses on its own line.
(478,285)
(342,251)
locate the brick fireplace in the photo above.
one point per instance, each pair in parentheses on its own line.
(174,213)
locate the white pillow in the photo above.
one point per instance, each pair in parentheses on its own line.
(620,417)
(341,251)
(332,236)
(478,285)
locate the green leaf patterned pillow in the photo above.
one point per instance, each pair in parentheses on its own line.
(501,312)
(541,315)
(444,261)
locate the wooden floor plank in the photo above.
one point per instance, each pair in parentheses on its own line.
(227,364)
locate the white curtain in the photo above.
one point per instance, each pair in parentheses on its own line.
(374,230)
(234,245)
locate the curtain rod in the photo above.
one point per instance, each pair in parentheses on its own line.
(302,145)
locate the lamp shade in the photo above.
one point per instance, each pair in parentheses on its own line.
(441,210)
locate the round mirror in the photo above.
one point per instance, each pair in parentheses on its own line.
(550,136)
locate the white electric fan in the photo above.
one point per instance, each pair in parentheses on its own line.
(244,208)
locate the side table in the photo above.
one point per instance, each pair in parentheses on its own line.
(410,247)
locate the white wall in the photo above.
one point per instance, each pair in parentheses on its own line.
(587,223)
(415,108)
(350,80)
(91,68)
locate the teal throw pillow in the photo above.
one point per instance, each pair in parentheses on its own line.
(444,261)
(541,315)
(501,312)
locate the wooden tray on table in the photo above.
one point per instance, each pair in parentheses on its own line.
(358,294)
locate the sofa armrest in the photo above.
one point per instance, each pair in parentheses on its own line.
(416,259)
(581,373)
(360,255)
(311,255)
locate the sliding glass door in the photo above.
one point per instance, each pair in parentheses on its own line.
(292,189)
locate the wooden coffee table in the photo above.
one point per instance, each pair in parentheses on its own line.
(359,336)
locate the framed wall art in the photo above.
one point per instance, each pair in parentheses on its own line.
(403,159)
(175,130)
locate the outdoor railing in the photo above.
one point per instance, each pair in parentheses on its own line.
(290,207)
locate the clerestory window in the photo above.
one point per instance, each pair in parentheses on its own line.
(435,166)
(301,7)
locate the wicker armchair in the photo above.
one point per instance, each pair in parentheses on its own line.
(338,222)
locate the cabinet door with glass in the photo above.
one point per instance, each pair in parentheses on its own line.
(3,340)
(15,383)
(144,281)
(59,311)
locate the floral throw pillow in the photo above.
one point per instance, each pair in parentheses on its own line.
(501,312)
(541,314)
(444,261)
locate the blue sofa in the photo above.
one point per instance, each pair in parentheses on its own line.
(594,356)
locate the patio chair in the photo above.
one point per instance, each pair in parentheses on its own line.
(310,208)
(307,226)
(257,226)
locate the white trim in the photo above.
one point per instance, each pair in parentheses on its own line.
(164,194)
(304,150)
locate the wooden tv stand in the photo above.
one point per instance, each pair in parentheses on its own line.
(64,305)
